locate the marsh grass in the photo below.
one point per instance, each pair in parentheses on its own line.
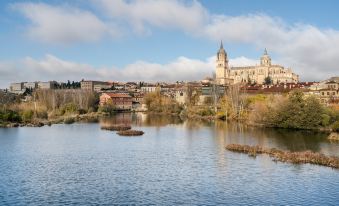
(287,156)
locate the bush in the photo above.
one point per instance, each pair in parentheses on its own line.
(335,126)
(298,112)
(206,112)
(10,116)
(82,111)
(325,120)
(107,108)
(69,108)
(27,115)
(69,120)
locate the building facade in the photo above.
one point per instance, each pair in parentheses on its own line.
(257,74)
(94,85)
(119,101)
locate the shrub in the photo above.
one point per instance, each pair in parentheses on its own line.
(9,116)
(335,126)
(325,120)
(27,115)
(82,111)
(69,120)
(107,108)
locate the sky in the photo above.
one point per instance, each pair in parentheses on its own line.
(163,40)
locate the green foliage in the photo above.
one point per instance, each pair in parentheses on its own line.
(298,112)
(325,120)
(107,108)
(335,126)
(256,98)
(156,102)
(27,115)
(9,116)
(69,108)
(205,112)
(69,120)
(268,80)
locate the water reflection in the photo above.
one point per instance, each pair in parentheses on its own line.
(226,133)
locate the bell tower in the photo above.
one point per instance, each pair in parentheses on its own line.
(265,60)
(222,70)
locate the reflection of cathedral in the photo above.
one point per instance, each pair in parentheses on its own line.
(252,74)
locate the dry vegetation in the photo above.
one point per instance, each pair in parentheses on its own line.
(286,156)
(117,127)
(130,133)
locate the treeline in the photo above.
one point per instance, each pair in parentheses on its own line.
(46,104)
(293,111)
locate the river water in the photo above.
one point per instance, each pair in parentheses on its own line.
(174,162)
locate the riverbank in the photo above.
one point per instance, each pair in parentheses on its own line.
(287,156)
(66,119)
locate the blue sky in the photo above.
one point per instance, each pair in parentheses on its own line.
(162,40)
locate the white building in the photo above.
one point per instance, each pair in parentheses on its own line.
(252,74)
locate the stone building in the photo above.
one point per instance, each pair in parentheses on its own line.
(252,74)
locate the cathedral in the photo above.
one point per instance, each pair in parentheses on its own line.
(252,74)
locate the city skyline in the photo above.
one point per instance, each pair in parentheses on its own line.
(162,40)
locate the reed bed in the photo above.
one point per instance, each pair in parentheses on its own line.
(130,133)
(116,127)
(287,156)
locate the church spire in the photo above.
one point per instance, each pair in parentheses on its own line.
(265,52)
(221,45)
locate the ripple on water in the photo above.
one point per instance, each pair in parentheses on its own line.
(80,164)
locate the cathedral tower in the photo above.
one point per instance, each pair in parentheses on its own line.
(265,60)
(222,70)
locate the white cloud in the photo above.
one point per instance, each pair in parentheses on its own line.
(63,24)
(165,14)
(53,68)
(309,50)
(242,61)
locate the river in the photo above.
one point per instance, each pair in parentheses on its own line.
(174,162)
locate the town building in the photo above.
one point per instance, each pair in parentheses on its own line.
(94,85)
(118,100)
(47,85)
(226,74)
(17,88)
(327,91)
(149,88)
(30,85)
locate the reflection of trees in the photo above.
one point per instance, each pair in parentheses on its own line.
(120,118)
(226,133)
(159,120)
(293,140)
(297,140)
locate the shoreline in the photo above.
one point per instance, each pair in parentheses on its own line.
(94,116)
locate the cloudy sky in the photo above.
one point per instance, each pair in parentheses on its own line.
(163,40)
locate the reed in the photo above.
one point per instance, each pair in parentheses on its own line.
(130,133)
(116,127)
(287,156)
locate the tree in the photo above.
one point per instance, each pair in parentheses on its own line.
(298,112)
(268,80)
